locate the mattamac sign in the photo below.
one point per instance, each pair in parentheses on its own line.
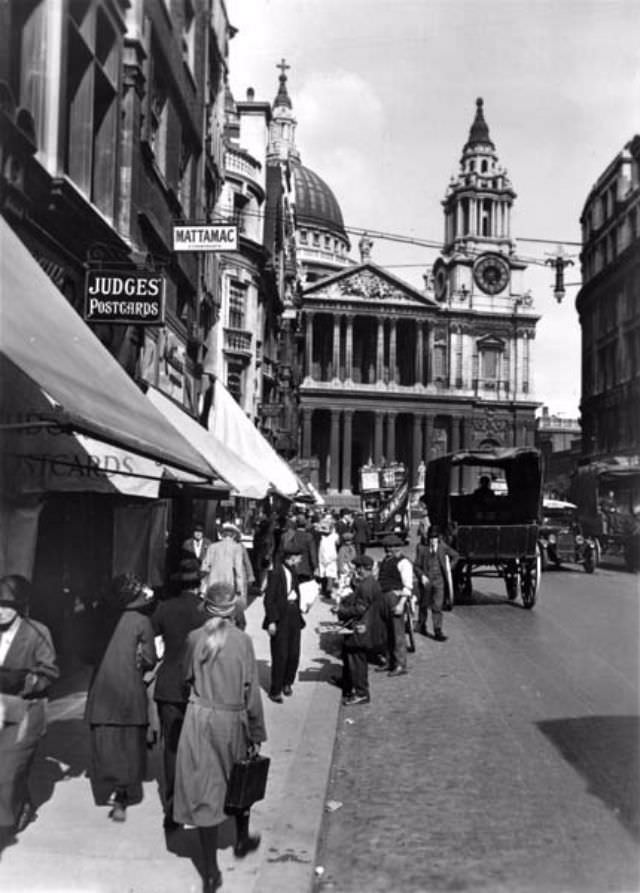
(214,237)
(124,297)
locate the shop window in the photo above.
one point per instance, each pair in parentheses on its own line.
(237,303)
(93,65)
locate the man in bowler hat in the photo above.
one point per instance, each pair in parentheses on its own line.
(361,611)
(395,576)
(283,621)
(435,561)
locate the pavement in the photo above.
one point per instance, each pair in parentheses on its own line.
(73,847)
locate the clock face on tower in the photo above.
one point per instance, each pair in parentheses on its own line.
(440,280)
(491,273)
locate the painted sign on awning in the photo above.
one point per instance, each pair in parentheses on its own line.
(212,237)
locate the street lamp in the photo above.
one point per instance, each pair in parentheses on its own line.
(559,262)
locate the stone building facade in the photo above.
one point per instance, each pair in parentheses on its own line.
(608,305)
(394,373)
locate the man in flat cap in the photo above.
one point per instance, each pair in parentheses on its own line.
(283,621)
(395,576)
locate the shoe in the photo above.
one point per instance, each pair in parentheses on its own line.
(287,690)
(277,699)
(246,846)
(212,883)
(169,824)
(118,813)
(382,668)
(439,636)
(422,629)
(399,671)
(356,699)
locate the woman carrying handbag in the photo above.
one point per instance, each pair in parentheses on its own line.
(223,724)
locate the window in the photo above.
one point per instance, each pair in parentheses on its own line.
(316,240)
(237,294)
(633,223)
(235,373)
(185,175)
(304,237)
(439,362)
(483,167)
(490,363)
(327,243)
(158,117)
(93,65)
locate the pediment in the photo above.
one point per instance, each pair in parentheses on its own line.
(367,284)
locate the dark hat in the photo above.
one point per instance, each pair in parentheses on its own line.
(392,540)
(363,561)
(14,592)
(130,592)
(220,600)
(198,525)
(189,571)
(433,532)
(292,548)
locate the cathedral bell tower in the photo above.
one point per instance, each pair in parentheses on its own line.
(282,131)
(478,268)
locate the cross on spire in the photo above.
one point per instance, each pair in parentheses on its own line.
(282,65)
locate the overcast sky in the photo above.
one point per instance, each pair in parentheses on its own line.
(384,94)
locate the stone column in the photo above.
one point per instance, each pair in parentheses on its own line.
(419,370)
(309,345)
(428,437)
(336,347)
(346,450)
(455,433)
(430,348)
(348,360)
(418,448)
(391,437)
(307,415)
(380,351)
(334,471)
(377,437)
(392,350)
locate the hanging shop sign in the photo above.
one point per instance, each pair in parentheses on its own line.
(214,237)
(124,297)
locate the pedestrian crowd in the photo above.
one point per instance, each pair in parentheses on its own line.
(182,668)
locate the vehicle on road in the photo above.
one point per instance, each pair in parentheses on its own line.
(495,533)
(384,496)
(562,539)
(607,496)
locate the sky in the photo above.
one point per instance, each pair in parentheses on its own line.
(384,94)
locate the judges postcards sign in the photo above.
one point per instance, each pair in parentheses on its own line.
(214,237)
(124,297)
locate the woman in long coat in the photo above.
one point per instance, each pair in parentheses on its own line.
(27,668)
(224,723)
(117,708)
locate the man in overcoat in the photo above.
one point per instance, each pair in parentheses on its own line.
(173,620)
(284,622)
(395,576)
(435,561)
(361,533)
(197,544)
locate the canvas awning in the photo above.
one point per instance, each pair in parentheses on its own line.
(244,479)
(70,377)
(230,425)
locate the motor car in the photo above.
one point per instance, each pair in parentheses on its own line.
(562,538)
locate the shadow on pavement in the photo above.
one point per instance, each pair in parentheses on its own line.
(605,751)
(185,843)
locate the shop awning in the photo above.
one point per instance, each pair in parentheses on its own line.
(244,479)
(230,425)
(44,339)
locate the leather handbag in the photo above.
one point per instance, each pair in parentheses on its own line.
(247,783)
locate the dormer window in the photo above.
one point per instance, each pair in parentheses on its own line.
(483,167)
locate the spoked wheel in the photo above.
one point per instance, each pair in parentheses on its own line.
(530,579)
(408,628)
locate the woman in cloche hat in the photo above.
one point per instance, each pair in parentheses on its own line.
(27,668)
(224,723)
(117,700)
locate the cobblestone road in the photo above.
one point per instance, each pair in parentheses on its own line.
(506,761)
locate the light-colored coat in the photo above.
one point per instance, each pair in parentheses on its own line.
(224,562)
(223,716)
